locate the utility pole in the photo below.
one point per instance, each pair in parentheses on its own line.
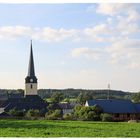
(108,96)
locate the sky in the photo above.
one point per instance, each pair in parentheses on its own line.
(84,46)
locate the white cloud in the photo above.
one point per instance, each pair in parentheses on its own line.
(50,34)
(125,53)
(12,32)
(113,8)
(98,32)
(121,21)
(119,31)
(43,34)
(127,24)
(98,29)
(90,53)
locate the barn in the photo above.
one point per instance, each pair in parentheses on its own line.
(120,109)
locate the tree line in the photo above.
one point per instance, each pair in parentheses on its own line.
(84,113)
(80,94)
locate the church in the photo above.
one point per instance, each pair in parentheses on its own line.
(31,100)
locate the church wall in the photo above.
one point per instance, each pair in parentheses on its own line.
(31,89)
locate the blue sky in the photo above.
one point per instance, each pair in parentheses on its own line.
(75,45)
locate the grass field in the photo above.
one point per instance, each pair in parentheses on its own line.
(45,128)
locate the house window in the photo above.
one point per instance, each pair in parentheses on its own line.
(31,86)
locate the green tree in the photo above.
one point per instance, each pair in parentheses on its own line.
(57,97)
(12,112)
(20,91)
(77,109)
(16,113)
(97,109)
(33,114)
(54,115)
(88,112)
(68,116)
(66,100)
(106,117)
(83,97)
(136,97)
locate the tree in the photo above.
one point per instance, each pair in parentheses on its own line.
(106,117)
(136,97)
(12,112)
(77,109)
(16,113)
(66,100)
(83,97)
(33,114)
(20,91)
(57,113)
(57,97)
(88,112)
(97,109)
(54,115)
(68,116)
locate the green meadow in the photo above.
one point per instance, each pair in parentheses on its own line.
(56,128)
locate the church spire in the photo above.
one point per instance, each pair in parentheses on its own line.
(31,71)
(31,78)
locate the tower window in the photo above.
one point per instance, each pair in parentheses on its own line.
(31,86)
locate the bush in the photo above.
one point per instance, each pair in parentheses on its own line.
(93,116)
(12,112)
(66,100)
(68,116)
(56,114)
(77,109)
(32,114)
(97,109)
(106,117)
(16,113)
(50,117)
(90,113)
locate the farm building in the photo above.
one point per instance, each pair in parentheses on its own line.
(121,110)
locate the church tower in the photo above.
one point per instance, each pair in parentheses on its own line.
(31,80)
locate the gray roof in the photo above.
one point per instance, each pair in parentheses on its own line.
(137,106)
(65,106)
(26,103)
(31,71)
(114,105)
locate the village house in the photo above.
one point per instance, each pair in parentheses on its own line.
(120,109)
(65,107)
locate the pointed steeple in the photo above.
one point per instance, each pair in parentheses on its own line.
(31,71)
(31,78)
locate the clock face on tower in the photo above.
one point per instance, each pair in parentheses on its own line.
(31,80)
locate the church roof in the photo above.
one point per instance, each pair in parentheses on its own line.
(114,105)
(26,103)
(31,70)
